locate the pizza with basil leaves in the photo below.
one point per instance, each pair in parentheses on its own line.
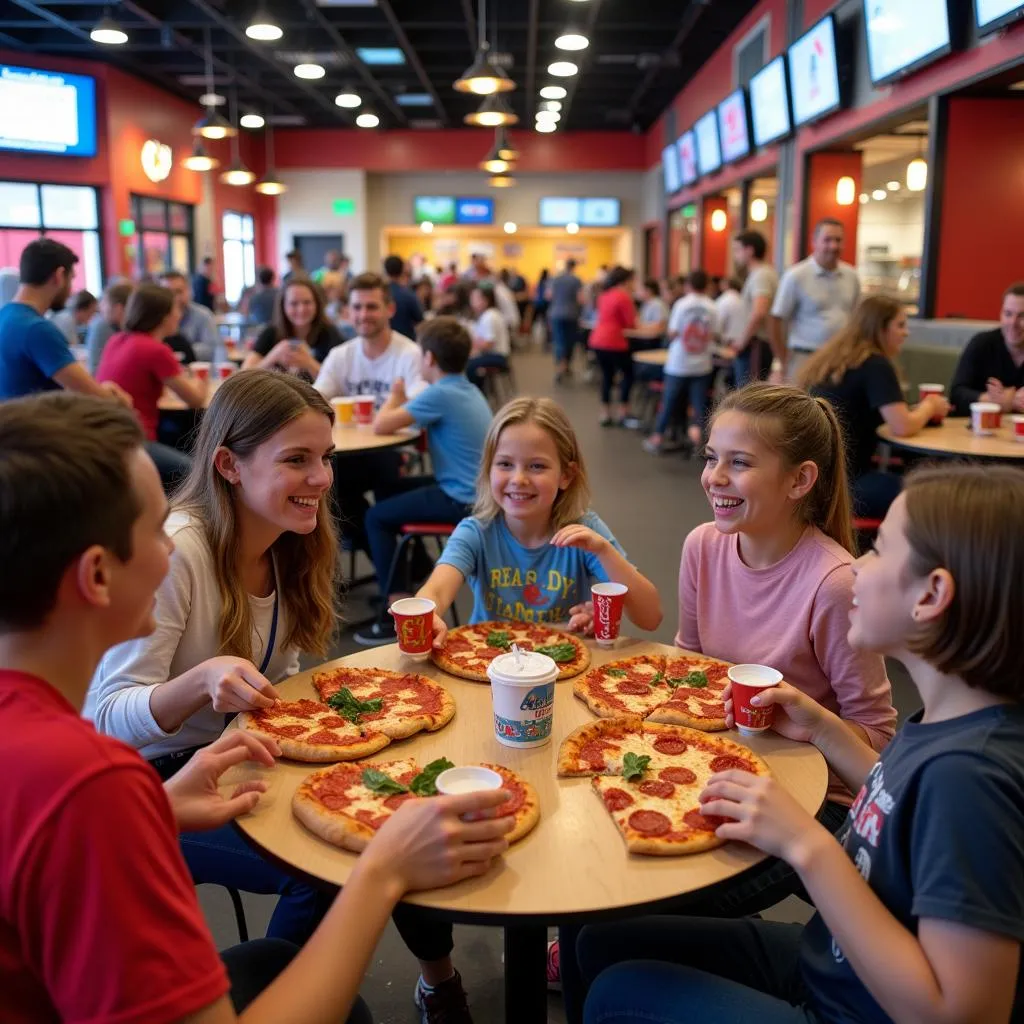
(468,650)
(682,689)
(346,804)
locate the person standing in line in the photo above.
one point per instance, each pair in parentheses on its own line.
(615,315)
(408,311)
(103,327)
(197,326)
(814,302)
(261,300)
(564,293)
(296,268)
(202,285)
(751,350)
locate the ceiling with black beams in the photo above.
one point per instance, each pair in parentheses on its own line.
(399,56)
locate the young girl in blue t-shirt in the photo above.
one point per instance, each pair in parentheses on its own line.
(532,547)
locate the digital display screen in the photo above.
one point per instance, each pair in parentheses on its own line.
(814,73)
(769,103)
(474,211)
(734,127)
(904,34)
(670,169)
(47,112)
(687,146)
(557,211)
(709,154)
(994,14)
(599,213)
(435,209)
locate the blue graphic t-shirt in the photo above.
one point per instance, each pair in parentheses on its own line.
(523,584)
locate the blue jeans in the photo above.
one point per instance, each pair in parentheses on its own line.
(565,335)
(170,463)
(481,361)
(671,970)
(697,389)
(753,363)
(420,500)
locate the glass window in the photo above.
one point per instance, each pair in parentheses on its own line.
(19,204)
(69,206)
(238,230)
(165,235)
(180,217)
(152,214)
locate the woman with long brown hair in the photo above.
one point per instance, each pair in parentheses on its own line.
(856,372)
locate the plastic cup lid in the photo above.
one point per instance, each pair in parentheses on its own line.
(530,667)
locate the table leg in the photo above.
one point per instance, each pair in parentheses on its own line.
(526,990)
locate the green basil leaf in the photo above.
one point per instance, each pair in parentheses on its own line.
(558,652)
(382,784)
(618,673)
(501,638)
(425,784)
(351,707)
(634,765)
(657,678)
(698,680)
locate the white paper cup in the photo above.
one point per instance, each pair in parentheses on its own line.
(985,418)
(470,778)
(523,698)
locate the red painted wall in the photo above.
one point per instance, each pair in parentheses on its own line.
(823,171)
(715,244)
(982,219)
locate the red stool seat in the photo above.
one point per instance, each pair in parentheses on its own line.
(865,525)
(427,529)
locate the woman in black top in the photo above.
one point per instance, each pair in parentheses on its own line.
(855,371)
(300,335)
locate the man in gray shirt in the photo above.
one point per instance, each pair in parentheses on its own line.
(198,326)
(815,300)
(103,327)
(751,349)
(564,317)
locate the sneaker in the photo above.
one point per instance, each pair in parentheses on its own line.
(378,634)
(444,1003)
(631,423)
(652,447)
(554,967)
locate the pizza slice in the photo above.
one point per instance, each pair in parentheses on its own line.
(469,650)
(696,684)
(630,686)
(601,747)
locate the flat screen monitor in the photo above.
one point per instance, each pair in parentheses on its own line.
(474,210)
(903,35)
(734,127)
(47,112)
(670,169)
(769,103)
(436,209)
(599,213)
(994,14)
(709,153)
(557,211)
(814,73)
(687,146)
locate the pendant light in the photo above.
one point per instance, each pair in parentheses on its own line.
(237,173)
(493,113)
(494,161)
(212,125)
(270,184)
(199,159)
(108,32)
(917,171)
(263,28)
(501,181)
(482,77)
(506,150)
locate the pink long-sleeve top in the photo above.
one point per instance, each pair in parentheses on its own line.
(794,616)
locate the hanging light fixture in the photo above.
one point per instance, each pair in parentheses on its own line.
(759,211)
(493,112)
(270,184)
(199,159)
(494,161)
(212,125)
(237,173)
(553,92)
(846,189)
(506,150)
(263,28)
(252,121)
(917,174)
(108,32)
(482,77)
(501,181)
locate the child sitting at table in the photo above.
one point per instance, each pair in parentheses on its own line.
(921,909)
(457,416)
(532,545)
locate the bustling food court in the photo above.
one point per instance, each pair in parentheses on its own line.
(511,512)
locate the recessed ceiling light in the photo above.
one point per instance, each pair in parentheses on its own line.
(510,227)
(252,121)
(263,30)
(380,55)
(367,120)
(562,69)
(546,126)
(426,226)
(212,99)
(309,71)
(553,92)
(349,100)
(551,105)
(893,186)
(879,194)
(572,41)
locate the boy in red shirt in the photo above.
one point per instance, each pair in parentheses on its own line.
(99,920)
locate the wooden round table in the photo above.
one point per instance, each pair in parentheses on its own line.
(651,356)
(573,866)
(351,438)
(953,438)
(170,402)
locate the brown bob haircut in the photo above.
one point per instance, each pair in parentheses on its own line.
(447,341)
(65,485)
(969,520)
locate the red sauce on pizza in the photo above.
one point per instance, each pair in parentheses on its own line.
(516,798)
(367,817)
(657,787)
(616,799)
(393,802)
(593,752)
(334,801)
(711,711)
(680,776)
(327,737)
(333,722)
(669,745)
(727,762)
(703,822)
(633,688)
(650,823)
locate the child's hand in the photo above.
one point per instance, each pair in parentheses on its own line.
(577,536)
(581,618)
(760,812)
(440,631)
(797,716)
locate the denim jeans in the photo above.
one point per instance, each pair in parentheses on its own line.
(420,500)
(480,362)
(874,492)
(611,364)
(170,463)
(697,390)
(565,335)
(671,970)
(354,475)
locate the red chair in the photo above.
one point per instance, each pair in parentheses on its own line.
(866,530)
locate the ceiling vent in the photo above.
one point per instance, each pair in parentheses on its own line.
(328,58)
(286,120)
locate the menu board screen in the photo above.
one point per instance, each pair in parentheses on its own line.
(670,169)
(904,34)
(734,127)
(709,154)
(687,146)
(814,73)
(994,14)
(769,103)
(47,112)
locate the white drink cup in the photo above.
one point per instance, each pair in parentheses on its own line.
(523,698)
(470,778)
(985,418)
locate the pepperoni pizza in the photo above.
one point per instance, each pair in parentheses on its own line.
(649,777)
(468,650)
(681,689)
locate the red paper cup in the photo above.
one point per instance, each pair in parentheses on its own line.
(747,681)
(201,370)
(608,599)
(985,418)
(1018,428)
(364,410)
(414,624)
(931,389)
(224,370)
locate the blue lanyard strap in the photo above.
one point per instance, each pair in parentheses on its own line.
(269,652)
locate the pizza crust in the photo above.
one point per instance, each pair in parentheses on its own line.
(298,750)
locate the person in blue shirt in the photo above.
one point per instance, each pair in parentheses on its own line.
(921,902)
(34,354)
(456,416)
(408,312)
(532,546)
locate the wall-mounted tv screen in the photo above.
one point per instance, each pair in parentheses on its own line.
(994,14)
(734,127)
(814,73)
(904,35)
(557,211)
(687,146)
(599,213)
(769,103)
(436,209)
(47,112)
(709,152)
(670,169)
(474,210)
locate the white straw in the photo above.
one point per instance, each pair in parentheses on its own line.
(517,653)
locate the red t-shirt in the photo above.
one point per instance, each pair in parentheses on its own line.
(99,920)
(615,312)
(140,364)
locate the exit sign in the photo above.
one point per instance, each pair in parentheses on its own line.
(343,207)
(126,228)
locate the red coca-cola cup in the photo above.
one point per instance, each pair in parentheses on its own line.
(201,371)
(224,370)
(923,390)
(748,681)
(414,626)
(1018,428)
(364,410)
(608,599)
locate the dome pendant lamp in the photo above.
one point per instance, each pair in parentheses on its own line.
(212,125)
(482,77)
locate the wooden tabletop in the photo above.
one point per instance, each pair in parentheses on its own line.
(954,438)
(651,356)
(170,402)
(349,438)
(574,862)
